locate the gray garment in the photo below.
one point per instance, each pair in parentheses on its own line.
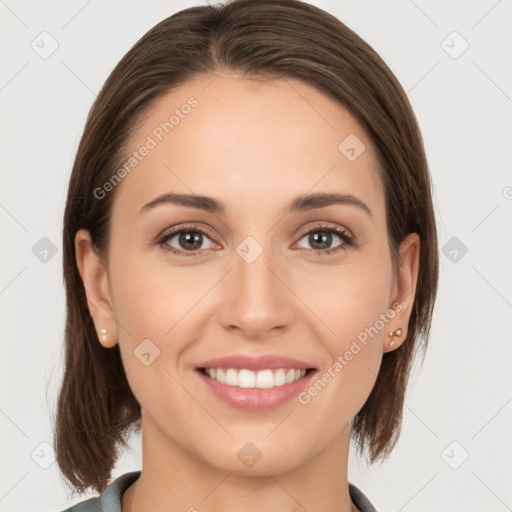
(110,499)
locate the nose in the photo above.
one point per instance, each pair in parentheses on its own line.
(257,301)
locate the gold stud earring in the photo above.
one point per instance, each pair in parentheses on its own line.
(104,334)
(392,334)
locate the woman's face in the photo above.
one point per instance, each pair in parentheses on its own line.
(259,275)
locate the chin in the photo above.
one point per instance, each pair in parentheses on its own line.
(250,458)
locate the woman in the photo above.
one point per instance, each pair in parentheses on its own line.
(250,257)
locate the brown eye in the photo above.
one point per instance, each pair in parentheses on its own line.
(185,241)
(321,239)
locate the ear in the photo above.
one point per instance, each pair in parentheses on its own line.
(95,279)
(404,290)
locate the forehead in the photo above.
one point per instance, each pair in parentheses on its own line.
(248,143)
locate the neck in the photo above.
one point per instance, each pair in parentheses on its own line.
(173,478)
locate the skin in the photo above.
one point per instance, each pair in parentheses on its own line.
(254,146)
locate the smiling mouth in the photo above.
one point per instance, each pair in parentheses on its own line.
(262,379)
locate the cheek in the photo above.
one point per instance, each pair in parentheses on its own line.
(162,304)
(152,304)
(151,297)
(349,299)
(355,308)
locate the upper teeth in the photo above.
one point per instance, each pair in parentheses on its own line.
(248,379)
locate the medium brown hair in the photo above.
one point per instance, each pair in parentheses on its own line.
(273,39)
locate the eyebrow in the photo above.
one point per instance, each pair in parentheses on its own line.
(299,204)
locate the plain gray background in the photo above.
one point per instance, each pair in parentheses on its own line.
(454,453)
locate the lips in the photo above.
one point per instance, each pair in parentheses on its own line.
(256,396)
(242,361)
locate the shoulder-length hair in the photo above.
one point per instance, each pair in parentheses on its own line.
(259,39)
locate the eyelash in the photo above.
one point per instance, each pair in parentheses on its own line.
(348,240)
